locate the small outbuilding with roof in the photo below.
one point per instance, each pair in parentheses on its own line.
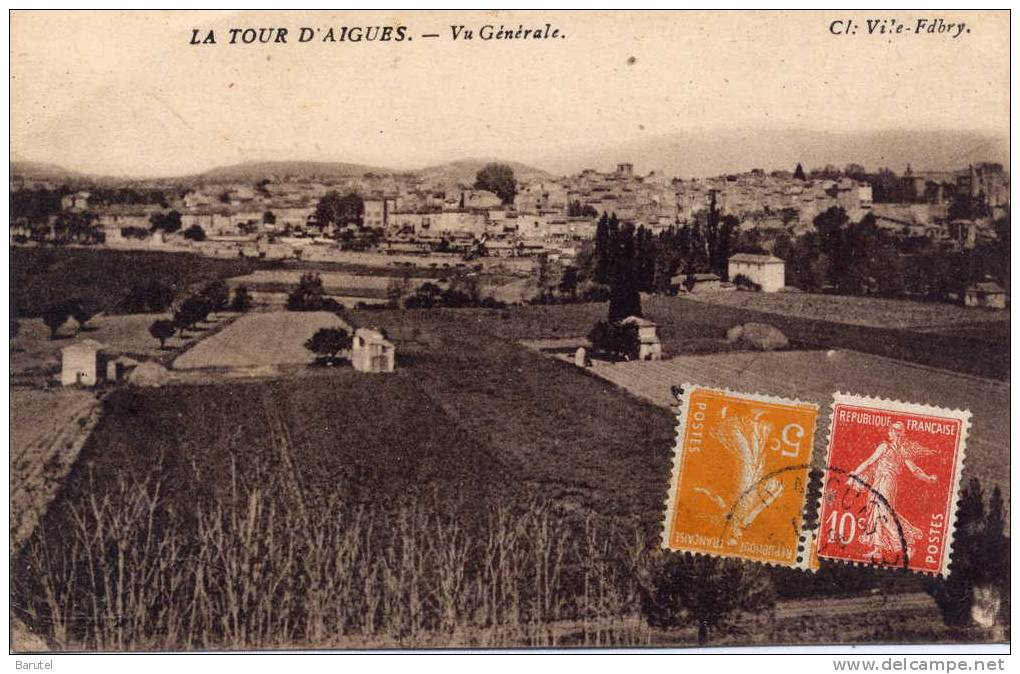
(765,271)
(82,363)
(372,352)
(986,294)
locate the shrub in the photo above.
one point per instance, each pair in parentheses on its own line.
(192,311)
(162,329)
(158,297)
(134,232)
(217,293)
(425,297)
(55,315)
(709,592)
(194,233)
(83,309)
(308,296)
(614,340)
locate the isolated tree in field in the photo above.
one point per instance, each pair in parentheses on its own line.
(217,293)
(162,329)
(709,592)
(192,311)
(83,310)
(54,316)
(498,179)
(798,173)
(328,342)
(194,233)
(308,296)
(268,218)
(242,299)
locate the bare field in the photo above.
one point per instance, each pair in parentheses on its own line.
(256,340)
(868,311)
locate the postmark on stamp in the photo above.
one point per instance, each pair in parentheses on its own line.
(891,483)
(740,476)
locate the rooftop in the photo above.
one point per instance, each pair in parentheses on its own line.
(84,345)
(755,259)
(638,321)
(987,287)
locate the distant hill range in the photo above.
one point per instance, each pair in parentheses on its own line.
(463,172)
(33,170)
(454,173)
(713,153)
(685,155)
(254,171)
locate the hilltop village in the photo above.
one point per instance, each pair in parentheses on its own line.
(408,214)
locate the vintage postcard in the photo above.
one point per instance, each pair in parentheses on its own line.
(892,480)
(740,476)
(346,330)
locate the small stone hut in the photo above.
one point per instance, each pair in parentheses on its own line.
(986,294)
(648,347)
(82,363)
(372,352)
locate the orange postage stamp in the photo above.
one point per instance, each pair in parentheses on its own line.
(740,476)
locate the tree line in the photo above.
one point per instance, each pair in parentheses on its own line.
(839,255)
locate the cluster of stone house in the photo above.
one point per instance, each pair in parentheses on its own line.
(774,202)
(546,211)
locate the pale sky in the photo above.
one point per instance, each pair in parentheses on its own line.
(123,93)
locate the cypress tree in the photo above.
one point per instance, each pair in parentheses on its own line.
(624,296)
(603,250)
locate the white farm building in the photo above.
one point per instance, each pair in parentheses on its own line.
(767,271)
(372,352)
(82,363)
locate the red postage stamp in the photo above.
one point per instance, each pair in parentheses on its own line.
(891,483)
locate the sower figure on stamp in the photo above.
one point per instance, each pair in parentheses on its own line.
(880,471)
(746,438)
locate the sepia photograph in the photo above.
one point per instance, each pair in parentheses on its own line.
(421,330)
